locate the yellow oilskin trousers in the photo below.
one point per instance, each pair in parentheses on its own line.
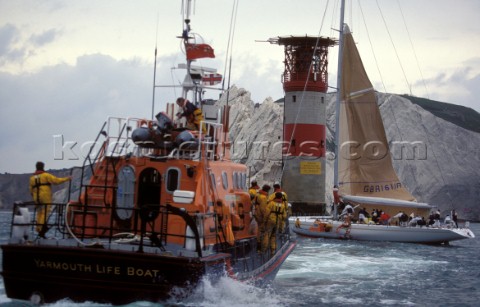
(274,221)
(260,210)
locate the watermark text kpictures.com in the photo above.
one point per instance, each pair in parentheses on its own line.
(352,150)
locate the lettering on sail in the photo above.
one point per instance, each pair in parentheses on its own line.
(376,188)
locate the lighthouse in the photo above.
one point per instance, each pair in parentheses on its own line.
(305,82)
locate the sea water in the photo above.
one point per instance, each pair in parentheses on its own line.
(341,273)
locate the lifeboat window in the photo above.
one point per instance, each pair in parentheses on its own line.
(225,180)
(239,180)
(212,178)
(125,193)
(234,180)
(173,179)
(244,181)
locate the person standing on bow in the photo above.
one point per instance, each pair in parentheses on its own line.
(274,218)
(192,113)
(41,191)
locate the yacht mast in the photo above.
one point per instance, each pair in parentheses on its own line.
(339,98)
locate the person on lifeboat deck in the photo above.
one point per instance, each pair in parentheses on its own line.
(40,189)
(260,214)
(277,188)
(274,220)
(192,113)
(253,191)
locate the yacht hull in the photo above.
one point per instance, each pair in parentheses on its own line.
(372,232)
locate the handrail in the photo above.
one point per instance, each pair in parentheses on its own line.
(62,226)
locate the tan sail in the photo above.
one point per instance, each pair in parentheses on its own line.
(365,164)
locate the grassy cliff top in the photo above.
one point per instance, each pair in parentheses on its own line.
(464,117)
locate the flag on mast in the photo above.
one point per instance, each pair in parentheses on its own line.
(211,79)
(197,51)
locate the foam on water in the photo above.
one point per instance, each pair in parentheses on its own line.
(340,273)
(222,292)
(229,292)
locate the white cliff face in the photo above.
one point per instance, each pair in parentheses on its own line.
(256,134)
(445,170)
(439,163)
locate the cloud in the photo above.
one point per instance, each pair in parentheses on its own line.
(261,78)
(68,100)
(71,102)
(460,86)
(9,36)
(44,38)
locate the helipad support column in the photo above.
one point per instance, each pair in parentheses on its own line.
(305,81)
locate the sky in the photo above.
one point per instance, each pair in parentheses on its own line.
(65,66)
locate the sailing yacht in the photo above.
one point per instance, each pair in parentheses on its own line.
(366,178)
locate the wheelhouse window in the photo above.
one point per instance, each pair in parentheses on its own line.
(244,181)
(173,179)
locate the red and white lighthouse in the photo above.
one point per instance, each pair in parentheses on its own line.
(305,81)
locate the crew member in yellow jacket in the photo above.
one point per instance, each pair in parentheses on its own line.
(192,113)
(277,188)
(261,202)
(274,219)
(41,191)
(253,190)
